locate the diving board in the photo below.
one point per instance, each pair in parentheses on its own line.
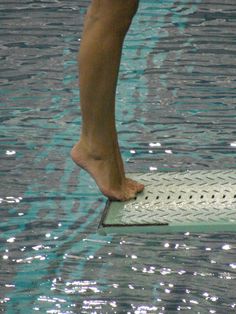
(190,201)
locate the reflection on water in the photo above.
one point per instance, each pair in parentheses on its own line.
(175,110)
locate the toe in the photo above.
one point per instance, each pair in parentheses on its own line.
(122,196)
(136,185)
(131,194)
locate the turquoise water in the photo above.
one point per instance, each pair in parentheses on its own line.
(177,88)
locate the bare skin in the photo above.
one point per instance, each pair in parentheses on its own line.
(97,151)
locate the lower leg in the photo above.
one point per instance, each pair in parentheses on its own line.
(106,25)
(97,151)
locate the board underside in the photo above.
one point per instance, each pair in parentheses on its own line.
(190,201)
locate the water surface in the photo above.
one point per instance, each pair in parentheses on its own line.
(177,88)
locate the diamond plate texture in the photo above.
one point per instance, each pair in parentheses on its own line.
(175,198)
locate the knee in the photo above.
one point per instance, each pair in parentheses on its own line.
(115,14)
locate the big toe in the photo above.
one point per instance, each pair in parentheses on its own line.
(130,194)
(123,195)
(138,187)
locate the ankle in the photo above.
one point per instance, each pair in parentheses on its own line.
(94,151)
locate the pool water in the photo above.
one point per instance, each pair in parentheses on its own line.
(176,110)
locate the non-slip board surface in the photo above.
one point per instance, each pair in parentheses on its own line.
(191,201)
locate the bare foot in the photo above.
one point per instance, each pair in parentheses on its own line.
(139,187)
(107,172)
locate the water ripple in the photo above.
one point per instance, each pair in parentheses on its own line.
(176,110)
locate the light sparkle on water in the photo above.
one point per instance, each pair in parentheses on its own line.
(10,152)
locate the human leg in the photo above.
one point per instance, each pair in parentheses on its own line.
(106,24)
